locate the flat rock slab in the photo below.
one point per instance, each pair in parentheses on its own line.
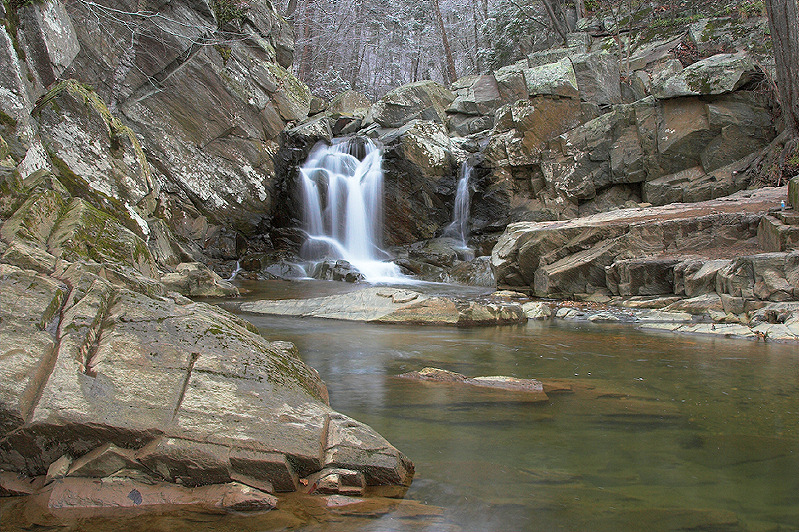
(393,305)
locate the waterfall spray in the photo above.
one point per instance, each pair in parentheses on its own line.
(459,227)
(343,197)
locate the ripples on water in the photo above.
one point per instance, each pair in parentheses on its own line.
(666,432)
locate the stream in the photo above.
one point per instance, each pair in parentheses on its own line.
(662,432)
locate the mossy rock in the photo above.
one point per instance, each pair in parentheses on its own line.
(83,232)
(97,156)
(793,192)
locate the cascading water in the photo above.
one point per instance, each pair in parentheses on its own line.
(459,228)
(343,197)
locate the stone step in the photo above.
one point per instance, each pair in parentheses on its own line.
(774,234)
(788,217)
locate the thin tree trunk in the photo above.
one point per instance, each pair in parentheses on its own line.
(447,51)
(305,57)
(579,7)
(556,23)
(783,22)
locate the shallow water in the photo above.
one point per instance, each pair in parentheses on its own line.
(663,432)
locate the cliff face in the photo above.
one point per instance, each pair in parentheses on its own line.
(202,85)
(131,141)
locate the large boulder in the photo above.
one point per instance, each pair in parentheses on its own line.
(598,77)
(718,74)
(393,305)
(105,374)
(424,100)
(561,259)
(417,160)
(92,148)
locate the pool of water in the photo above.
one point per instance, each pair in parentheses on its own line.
(662,432)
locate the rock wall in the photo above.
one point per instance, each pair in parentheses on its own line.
(131,144)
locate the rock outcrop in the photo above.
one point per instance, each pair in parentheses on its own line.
(109,373)
(393,305)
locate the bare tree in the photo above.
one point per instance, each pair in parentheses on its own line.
(783,20)
(447,50)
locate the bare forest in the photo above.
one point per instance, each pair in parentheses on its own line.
(373,46)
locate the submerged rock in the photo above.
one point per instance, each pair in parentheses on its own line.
(512,384)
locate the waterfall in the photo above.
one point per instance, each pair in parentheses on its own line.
(459,227)
(343,199)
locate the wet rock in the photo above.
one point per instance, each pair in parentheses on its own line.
(476,272)
(350,445)
(103,461)
(337,480)
(83,493)
(58,469)
(16,485)
(336,270)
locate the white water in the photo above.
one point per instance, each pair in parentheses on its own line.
(459,228)
(343,201)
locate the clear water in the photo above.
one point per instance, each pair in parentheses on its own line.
(664,432)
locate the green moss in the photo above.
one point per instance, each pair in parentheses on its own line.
(698,83)
(227,11)
(224,52)
(8,122)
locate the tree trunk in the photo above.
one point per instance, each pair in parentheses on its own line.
(447,51)
(305,57)
(557,24)
(783,22)
(579,7)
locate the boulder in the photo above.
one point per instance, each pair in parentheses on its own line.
(532,387)
(598,77)
(694,277)
(424,100)
(552,79)
(417,159)
(348,102)
(560,259)
(641,277)
(482,97)
(793,192)
(476,272)
(194,279)
(766,277)
(718,74)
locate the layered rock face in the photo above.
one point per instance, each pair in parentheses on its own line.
(204,88)
(723,247)
(110,187)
